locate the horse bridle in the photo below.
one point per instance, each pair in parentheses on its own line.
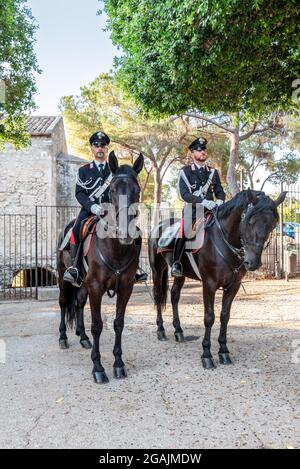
(262,246)
(239,252)
(116,271)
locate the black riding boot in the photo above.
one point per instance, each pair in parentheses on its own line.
(142,275)
(72,274)
(176,270)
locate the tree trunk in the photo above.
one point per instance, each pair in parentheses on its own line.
(250,177)
(144,186)
(157,196)
(157,187)
(233,161)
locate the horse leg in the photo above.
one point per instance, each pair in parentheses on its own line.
(80,329)
(175,297)
(95,295)
(64,295)
(122,300)
(63,338)
(209,293)
(227,299)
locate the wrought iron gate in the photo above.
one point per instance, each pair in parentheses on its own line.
(28,247)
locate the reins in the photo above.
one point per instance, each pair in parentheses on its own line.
(116,271)
(115,229)
(238,252)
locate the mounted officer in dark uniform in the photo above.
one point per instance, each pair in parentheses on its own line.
(198,183)
(92,190)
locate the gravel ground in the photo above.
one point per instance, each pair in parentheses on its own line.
(49,400)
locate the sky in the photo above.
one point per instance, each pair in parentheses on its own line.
(71,48)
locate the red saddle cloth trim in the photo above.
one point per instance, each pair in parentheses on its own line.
(72,240)
(181,231)
(89,239)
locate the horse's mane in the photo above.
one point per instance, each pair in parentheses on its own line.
(265,204)
(126,170)
(241,200)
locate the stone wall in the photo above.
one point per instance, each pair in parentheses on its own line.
(67,167)
(41,174)
(26,177)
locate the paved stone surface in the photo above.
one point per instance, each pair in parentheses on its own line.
(48,398)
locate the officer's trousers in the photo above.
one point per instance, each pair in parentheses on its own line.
(83,215)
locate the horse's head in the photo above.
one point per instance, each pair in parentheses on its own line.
(258,221)
(124,194)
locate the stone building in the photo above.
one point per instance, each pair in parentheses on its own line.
(36,199)
(41,174)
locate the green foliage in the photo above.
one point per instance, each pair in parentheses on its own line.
(286,170)
(231,56)
(292,214)
(17,66)
(102,105)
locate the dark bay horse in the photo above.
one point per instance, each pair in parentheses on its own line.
(233,244)
(113,261)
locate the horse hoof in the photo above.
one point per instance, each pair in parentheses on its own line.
(208,363)
(100,377)
(86,343)
(179,337)
(161,335)
(120,373)
(63,344)
(225,359)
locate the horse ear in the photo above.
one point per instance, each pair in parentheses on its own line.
(139,164)
(280,199)
(113,162)
(252,197)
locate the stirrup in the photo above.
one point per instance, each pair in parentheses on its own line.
(176,269)
(71,275)
(142,277)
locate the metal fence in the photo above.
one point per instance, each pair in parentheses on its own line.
(28,246)
(283,253)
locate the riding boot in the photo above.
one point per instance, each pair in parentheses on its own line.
(142,275)
(72,274)
(176,270)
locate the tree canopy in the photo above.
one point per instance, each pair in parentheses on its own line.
(17,67)
(102,105)
(214,56)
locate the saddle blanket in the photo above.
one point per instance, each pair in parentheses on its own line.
(87,231)
(171,232)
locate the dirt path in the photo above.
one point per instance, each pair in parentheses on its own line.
(48,398)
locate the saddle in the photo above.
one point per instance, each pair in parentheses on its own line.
(87,230)
(195,242)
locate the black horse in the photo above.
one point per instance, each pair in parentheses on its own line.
(112,264)
(233,244)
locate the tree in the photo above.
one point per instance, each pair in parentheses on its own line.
(286,170)
(17,67)
(209,59)
(273,156)
(256,154)
(102,105)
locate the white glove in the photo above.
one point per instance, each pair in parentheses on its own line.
(219,202)
(97,210)
(209,204)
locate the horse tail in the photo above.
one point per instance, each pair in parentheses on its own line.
(160,292)
(71,307)
(67,293)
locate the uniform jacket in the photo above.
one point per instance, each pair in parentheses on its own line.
(198,178)
(89,180)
